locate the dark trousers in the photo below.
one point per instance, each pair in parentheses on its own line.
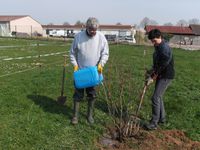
(158,109)
(79,94)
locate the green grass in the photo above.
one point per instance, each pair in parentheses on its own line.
(31,119)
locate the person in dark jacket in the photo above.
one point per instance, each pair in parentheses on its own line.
(162,72)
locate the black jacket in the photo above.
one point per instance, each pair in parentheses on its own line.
(163,62)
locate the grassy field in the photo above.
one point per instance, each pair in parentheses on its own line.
(31,119)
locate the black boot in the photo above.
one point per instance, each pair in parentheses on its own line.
(90,111)
(75,115)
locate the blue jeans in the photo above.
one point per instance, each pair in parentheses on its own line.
(158,109)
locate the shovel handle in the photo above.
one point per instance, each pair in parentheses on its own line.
(63,76)
(141,99)
(65,59)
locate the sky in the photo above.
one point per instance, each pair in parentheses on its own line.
(106,11)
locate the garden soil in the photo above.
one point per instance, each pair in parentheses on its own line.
(151,140)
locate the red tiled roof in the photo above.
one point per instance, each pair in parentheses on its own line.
(10,18)
(117,27)
(171,29)
(127,27)
(62,26)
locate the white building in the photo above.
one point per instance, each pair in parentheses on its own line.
(20,26)
(61,30)
(112,32)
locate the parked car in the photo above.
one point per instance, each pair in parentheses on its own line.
(58,33)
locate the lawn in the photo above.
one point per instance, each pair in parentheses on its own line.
(31,119)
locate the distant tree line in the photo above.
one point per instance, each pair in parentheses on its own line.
(147,21)
(182,22)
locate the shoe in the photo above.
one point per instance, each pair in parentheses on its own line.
(162,121)
(151,126)
(74,120)
(90,120)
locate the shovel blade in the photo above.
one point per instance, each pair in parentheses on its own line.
(61,100)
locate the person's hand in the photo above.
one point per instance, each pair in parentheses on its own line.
(149,81)
(100,68)
(154,76)
(75,68)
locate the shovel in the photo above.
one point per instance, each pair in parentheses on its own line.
(62,99)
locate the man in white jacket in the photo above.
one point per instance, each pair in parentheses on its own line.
(89,48)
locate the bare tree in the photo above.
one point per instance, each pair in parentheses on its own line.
(66,23)
(168,24)
(153,22)
(79,23)
(145,21)
(182,22)
(50,23)
(118,23)
(135,25)
(194,21)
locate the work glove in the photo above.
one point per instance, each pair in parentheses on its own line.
(75,68)
(149,81)
(100,68)
(151,73)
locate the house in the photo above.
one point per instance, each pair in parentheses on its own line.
(189,35)
(112,32)
(19,26)
(195,29)
(175,30)
(61,30)
(121,32)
